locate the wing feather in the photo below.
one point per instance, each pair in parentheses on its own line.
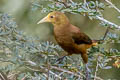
(80,37)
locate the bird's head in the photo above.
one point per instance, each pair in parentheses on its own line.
(56,18)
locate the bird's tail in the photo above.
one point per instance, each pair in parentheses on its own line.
(96,42)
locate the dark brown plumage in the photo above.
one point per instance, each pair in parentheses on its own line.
(68,36)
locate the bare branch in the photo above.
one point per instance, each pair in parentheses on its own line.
(24,78)
(55,75)
(69,72)
(87,70)
(72,73)
(3,76)
(106,32)
(44,71)
(48,71)
(96,69)
(110,23)
(108,1)
(71,1)
(85,1)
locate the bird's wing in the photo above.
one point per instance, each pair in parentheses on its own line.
(80,37)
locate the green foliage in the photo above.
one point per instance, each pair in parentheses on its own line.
(19,51)
(91,8)
(27,58)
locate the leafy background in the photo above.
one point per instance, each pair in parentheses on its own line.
(29,51)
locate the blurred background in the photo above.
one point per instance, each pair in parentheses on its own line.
(26,18)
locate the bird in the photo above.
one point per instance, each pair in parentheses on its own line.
(71,39)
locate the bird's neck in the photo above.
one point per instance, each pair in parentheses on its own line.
(61,29)
(60,24)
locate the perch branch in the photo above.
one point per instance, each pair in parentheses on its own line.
(108,22)
(113,5)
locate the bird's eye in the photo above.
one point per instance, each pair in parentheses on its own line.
(51,17)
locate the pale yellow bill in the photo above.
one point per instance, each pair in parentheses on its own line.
(45,19)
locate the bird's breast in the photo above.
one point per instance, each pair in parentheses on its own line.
(64,39)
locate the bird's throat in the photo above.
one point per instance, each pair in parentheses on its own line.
(61,29)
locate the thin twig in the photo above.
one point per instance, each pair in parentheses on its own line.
(56,75)
(105,35)
(87,70)
(64,2)
(114,57)
(96,69)
(48,72)
(106,32)
(84,1)
(71,1)
(108,22)
(61,73)
(12,75)
(113,5)
(45,71)
(24,78)
(3,76)
(72,73)
(66,71)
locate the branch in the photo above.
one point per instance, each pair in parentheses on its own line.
(64,2)
(43,70)
(108,22)
(3,76)
(48,69)
(96,69)
(56,68)
(69,72)
(113,5)
(85,1)
(106,33)
(72,73)
(87,70)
